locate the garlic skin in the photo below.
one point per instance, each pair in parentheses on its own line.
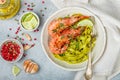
(30,66)
(26,47)
(28,37)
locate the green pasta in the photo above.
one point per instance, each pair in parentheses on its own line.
(78,49)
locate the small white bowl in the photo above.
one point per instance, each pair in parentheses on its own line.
(35,16)
(21,50)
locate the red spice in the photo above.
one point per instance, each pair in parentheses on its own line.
(10,51)
(18,29)
(15,38)
(16,32)
(32,45)
(37,30)
(28,5)
(26,44)
(35,39)
(43,2)
(24,55)
(23,39)
(10,29)
(28,8)
(31,9)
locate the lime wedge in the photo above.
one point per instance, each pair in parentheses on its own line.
(24,17)
(29,16)
(85,22)
(15,70)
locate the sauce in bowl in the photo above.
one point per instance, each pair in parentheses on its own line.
(10,51)
(30,21)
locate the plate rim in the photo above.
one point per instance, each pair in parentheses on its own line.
(42,33)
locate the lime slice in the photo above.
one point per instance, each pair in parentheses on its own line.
(15,70)
(34,22)
(85,22)
(27,17)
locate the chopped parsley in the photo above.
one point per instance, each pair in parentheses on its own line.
(61,25)
(62,36)
(54,30)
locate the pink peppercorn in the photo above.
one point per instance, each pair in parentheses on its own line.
(43,2)
(10,29)
(28,5)
(35,39)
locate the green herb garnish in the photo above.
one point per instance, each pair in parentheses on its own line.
(62,36)
(61,25)
(54,30)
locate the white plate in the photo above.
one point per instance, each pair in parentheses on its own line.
(97,51)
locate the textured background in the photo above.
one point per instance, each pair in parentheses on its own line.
(48,71)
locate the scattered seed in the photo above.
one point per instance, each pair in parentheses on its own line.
(32,4)
(28,8)
(37,30)
(32,45)
(25,3)
(22,39)
(45,8)
(43,2)
(28,5)
(8,35)
(16,20)
(42,14)
(24,55)
(41,10)
(35,39)
(23,34)
(10,29)
(23,11)
(17,31)
(15,38)
(31,9)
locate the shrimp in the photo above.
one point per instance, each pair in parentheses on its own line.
(71,33)
(58,25)
(58,45)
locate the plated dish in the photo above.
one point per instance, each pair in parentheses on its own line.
(70,38)
(58,57)
(11,50)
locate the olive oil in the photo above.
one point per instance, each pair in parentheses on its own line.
(9,9)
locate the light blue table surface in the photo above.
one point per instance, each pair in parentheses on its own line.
(48,71)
